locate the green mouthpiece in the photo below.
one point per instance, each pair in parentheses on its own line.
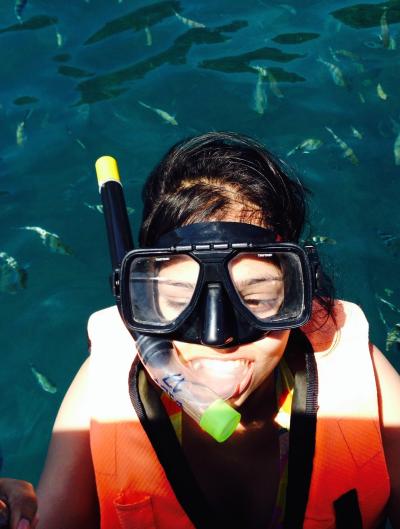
(220,420)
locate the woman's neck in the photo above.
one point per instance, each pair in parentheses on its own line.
(259,409)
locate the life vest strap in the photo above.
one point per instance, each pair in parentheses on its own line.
(347,511)
(158,427)
(303,423)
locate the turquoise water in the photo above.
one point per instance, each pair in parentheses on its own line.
(72,78)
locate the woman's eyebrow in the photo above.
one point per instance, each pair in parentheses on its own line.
(175,283)
(256,280)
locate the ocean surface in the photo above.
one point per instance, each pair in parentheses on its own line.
(316,81)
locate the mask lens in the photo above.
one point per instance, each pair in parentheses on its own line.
(161,287)
(270,285)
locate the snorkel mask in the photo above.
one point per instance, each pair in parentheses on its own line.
(219,284)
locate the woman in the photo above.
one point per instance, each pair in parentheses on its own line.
(232,312)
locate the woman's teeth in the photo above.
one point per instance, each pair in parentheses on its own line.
(219,368)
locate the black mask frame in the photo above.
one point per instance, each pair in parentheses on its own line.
(216,316)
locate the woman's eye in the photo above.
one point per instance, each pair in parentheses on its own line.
(263,307)
(176,303)
(261,302)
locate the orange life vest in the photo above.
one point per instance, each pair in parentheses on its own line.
(133,490)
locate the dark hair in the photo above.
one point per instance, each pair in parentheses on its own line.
(204,177)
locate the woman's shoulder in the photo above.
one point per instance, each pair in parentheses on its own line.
(104,316)
(346,320)
(106,326)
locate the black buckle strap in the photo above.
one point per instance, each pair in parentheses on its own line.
(347,511)
(303,422)
(158,427)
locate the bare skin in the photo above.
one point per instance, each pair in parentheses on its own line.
(388,382)
(67,491)
(18,504)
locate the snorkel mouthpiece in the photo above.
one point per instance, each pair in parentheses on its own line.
(158,355)
(212,413)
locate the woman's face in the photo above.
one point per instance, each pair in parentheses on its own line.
(247,366)
(257,280)
(244,367)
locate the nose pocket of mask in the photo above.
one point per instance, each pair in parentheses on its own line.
(218,317)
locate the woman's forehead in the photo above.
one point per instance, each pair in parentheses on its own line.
(245,213)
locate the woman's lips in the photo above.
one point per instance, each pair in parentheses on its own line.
(227,378)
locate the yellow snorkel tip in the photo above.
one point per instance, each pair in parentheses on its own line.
(107,170)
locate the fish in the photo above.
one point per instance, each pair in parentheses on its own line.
(290,9)
(72,71)
(162,113)
(333,54)
(51,240)
(295,38)
(19,6)
(322,239)
(12,276)
(273,83)
(381,93)
(33,23)
(347,151)
(344,53)
(335,71)
(365,15)
(384,36)
(137,20)
(240,63)
(81,144)
(393,337)
(59,39)
(260,69)
(361,97)
(149,38)
(188,22)
(306,146)
(20,135)
(392,242)
(62,57)
(388,304)
(25,100)
(353,57)
(99,208)
(260,95)
(43,381)
(382,318)
(396,149)
(356,133)
(95,207)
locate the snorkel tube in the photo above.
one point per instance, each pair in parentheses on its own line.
(210,411)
